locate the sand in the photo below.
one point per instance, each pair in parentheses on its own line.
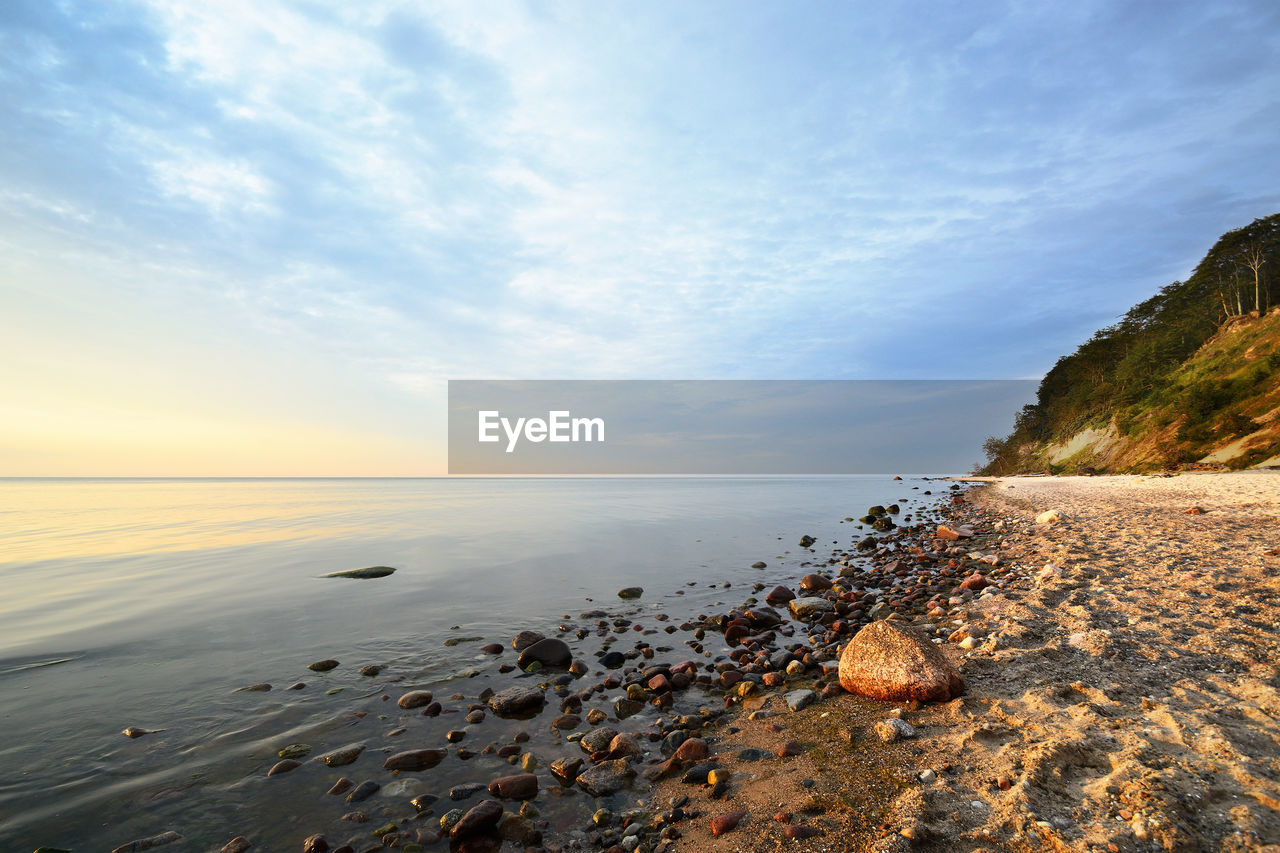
(1128,700)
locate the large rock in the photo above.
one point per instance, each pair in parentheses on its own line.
(894,662)
(548,652)
(517,700)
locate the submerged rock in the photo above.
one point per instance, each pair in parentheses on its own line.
(415,759)
(361,574)
(631,592)
(147,843)
(341,757)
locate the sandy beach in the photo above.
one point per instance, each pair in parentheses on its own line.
(1121,690)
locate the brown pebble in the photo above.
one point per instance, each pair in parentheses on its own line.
(239,844)
(799,832)
(341,786)
(720,824)
(789,748)
(1003,783)
(315,844)
(284,767)
(323,665)
(693,749)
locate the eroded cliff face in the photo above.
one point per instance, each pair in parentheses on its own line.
(1221,410)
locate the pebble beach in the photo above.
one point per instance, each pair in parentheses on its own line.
(1093,669)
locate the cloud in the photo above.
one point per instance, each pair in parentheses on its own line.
(422,191)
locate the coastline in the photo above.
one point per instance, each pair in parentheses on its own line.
(1121,689)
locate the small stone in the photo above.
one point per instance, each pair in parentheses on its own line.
(525,639)
(414,759)
(566,769)
(239,844)
(465,791)
(759,564)
(366,573)
(788,749)
(927,777)
(809,605)
(522,786)
(341,757)
(315,844)
(414,699)
(692,749)
(340,787)
(134,732)
(363,791)
(517,700)
(894,729)
(720,824)
(482,818)
(1052,516)
(798,700)
(369,670)
(323,665)
(605,778)
(800,831)
(284,767)
(631,592)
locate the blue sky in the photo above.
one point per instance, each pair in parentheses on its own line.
(258,237)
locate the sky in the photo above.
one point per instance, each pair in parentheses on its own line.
(259,237)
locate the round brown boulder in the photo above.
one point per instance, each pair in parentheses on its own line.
(894,662)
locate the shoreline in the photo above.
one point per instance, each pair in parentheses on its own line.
(1122,691)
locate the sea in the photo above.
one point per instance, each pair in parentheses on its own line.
(151,602)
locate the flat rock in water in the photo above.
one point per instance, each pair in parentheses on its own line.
(284,766)
(147,843)
(894,662)
(323,665)
(341,757)
(631,592)
(362,574)
(415,759)
(517,700)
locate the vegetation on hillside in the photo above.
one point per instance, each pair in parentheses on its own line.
(1146,374)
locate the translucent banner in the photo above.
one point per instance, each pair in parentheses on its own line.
(726,427)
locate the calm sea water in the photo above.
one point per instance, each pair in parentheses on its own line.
(147,602)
